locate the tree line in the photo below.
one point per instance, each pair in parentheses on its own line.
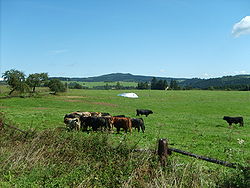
(18,82)
(239,83)
(158,84)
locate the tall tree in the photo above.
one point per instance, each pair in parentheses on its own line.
(142,85)
(118,85)
(158,84)
(174,85)
(154,83)
(16,80)
(35,80)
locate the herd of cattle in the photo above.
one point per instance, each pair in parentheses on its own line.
(104,121)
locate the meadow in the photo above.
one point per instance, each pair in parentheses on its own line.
(90,85)
(190,120)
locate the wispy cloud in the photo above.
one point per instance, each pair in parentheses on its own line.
(60,51)
(242,27)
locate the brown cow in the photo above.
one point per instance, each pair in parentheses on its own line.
(122,122)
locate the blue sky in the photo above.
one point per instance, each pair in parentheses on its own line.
(170,38)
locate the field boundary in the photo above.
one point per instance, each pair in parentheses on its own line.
(164,152)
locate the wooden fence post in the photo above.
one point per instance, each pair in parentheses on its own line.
(163,151)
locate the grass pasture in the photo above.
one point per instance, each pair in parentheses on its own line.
(94,84)
(190,120)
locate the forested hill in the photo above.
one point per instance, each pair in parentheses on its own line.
(232,82)
(115,77)
(225,82)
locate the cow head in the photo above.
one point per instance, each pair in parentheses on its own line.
(225,117)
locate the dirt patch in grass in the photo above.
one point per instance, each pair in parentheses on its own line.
(73,100)
(40,108)
(4,107)
(105,104)
(74,97)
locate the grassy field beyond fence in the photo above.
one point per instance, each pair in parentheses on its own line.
(190,120)
(95,84)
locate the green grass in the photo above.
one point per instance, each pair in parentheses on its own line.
(55,158)
(190,120)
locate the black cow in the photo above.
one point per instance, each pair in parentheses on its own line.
(138,123)
(105,114)
(85,122)
(97,123)
(143,112)
(234,120)
(70,115)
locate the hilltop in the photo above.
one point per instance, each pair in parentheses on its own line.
(118,77)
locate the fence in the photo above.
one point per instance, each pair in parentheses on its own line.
(164,151)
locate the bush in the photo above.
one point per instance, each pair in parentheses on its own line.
(56,85)
(75,85)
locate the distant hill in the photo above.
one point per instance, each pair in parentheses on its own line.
(116,77)
(233,82)
(218,83)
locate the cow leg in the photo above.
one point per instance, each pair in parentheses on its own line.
(142,129)
(68,128)
(84,127)
(94,128)
(118,130)
(110,127)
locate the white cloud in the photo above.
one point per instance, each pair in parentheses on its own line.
(242,27)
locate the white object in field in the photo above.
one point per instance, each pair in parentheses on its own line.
(129,95)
